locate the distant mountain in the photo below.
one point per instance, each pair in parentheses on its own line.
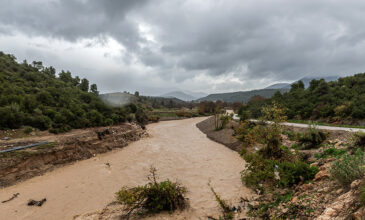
(197,95)
(242,96)
(180,95)
(117,99)
(279,86)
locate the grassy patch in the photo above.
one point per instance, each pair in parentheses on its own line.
(291,134)
(331,152)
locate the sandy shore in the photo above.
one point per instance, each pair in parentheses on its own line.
(176,148)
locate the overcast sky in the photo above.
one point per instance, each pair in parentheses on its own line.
(157,46)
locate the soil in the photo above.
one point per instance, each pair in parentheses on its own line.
(224,136)
(62,149)
(177,149)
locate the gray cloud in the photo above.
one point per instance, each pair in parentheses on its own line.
(176,43)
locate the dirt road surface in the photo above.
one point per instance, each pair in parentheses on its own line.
(177,149)
(322,127)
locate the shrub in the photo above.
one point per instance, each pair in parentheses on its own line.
(153,197)
(27,130)
(311,138)
(293,173)
(141,116)
(258,170)
(272,138)
(358,140)
(224,121)
(348,169)
(331,152)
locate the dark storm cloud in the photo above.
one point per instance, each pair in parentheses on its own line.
(274,40)
(73,20)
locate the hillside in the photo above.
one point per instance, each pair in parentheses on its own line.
(179,95)
(242,96)
(341,100)
(32,95)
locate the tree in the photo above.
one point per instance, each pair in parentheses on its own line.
(94,89)
(65,76)
(84,85)
(136,93)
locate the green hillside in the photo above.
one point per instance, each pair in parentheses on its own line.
(32,95)
(341,100)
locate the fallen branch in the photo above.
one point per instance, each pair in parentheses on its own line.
(13,197)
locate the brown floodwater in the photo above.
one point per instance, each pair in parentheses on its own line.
(177,149)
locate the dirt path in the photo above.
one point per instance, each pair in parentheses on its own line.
(176,148)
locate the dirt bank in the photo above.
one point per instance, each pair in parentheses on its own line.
(177,149)
(62,149)
(223,136)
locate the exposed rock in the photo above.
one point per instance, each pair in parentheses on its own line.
(321,175)
(355,184)
(359,214)
(341,207)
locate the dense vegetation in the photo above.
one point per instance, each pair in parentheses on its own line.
(341,100)
(273,164)
(32,95)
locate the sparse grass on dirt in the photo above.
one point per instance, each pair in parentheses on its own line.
(227,211)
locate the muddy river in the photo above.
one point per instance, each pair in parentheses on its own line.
(177,149)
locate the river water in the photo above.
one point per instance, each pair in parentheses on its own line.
(177,149)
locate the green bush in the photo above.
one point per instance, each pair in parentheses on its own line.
(260,170)
(153,197)
(349,168)
(27,130)
(293,173)
(331,152)
(312,138)
(141,116)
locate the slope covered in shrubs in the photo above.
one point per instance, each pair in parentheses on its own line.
(33,95)
(341,100)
